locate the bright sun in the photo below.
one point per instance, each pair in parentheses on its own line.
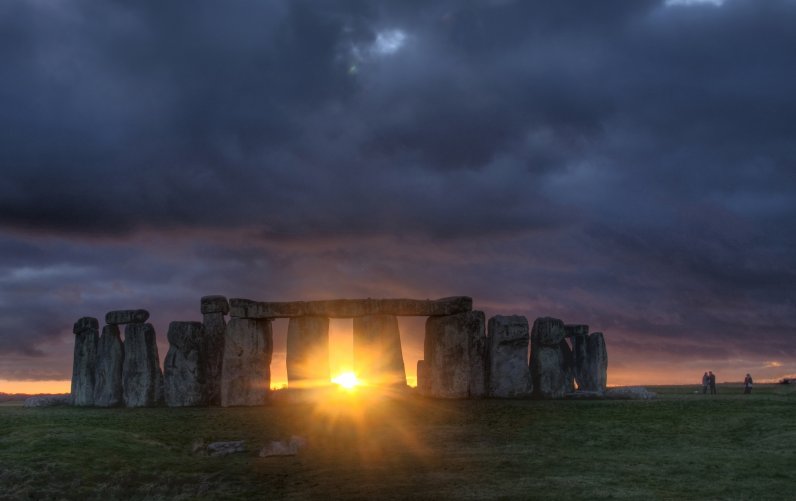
(347,380)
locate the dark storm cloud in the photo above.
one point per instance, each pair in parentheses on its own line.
(624,163)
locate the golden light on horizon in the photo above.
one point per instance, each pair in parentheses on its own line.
(347,380)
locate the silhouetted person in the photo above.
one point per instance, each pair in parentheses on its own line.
(705,383)
(747,384)
(712,382)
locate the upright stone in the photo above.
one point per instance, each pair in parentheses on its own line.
(579,335)
(508,375)
(594,374)
(246,372)
(142,378)
(422,378)
(377,350)
(110,361)
(84,362)
(184,367)
(213,310)
(307,352)
(455,355)
(551,359)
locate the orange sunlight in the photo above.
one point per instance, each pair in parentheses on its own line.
(347,380)
(34,387)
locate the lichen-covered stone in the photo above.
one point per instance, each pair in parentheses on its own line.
(551,364)
(307,352)
(508,374)
(454,353)
(214,334)
(184,366)
(110,362)
(423,385)
(119,317)
(591,362)
(84,362)
(214,304)
(246,372)
(378,358)
(142,378)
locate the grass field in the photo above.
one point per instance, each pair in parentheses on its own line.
(681,446)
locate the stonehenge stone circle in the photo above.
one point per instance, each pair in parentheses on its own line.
(454,353)
(110,360)
(307,351)
(551,359)
(142,379)
(213,310)
(350,308)
(184,366)
(120,317)
(591,362)
(508,374)
(378,358)
(84,362)
(246,371)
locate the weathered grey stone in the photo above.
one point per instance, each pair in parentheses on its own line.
(591,362)
(214,334)
(110,362)
(423,378)
(214,304)
(377,350)
(142,379)
(551,366)
(184,366)
(47,401)
(578,334)
(630,393)
(454,353)
(283,447)
(120,317)
(84,362)
(307,352)
(350,308)
(576,330)
(226,448)
(508,375)
(246,372)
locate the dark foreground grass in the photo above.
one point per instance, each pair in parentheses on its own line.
(681,446)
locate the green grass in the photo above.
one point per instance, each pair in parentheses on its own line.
(681,446)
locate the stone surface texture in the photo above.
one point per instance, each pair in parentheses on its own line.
(142,379)
(508,374)
(226,448)
(246,373)
(454,355)
(214,304)
(119,317)
(378,358)
(215,327)
(551,359)
(423,380)
(630,393)
(184,366)
(350,308)
(307,352)
(591,362)
(84,361)
(47,401)
(110,362)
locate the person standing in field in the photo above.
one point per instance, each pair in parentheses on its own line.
(712,382)
(747,384)
(705,383)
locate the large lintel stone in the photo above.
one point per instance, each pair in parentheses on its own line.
(454,353)
(119,317)
(214,304)
(110,362)
(246,371)
(350,308)
(84,362)
(508,375)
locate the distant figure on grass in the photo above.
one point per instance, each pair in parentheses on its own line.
(705,383)
(747,384)
(712,382)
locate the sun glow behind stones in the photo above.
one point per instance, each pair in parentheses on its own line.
(347,380)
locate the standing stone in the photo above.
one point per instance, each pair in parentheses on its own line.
(377,350)
(142,379)
(551,359)
(84,363)
(184,367)
(508,374)
(591,362)
(307,352)
(455,355)
(422,378)
(110,361)
(246,372)
(213,310)
(578,334)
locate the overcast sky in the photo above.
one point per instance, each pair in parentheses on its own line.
(626,164)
